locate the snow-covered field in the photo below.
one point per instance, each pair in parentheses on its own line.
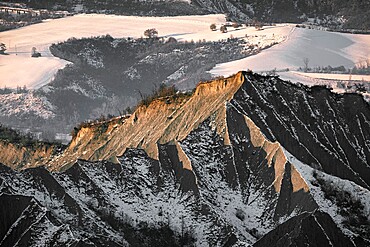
(320,47)
(342,77)
(22,70)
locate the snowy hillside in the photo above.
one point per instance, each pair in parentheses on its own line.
(336,14)
(17,104)
(321,48)
(19,68)
(108,82)
(167,144)
(306,48)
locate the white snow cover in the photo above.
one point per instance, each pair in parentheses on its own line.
(20,103)
(342,77)
(18,68)
(21,69)
(322,48)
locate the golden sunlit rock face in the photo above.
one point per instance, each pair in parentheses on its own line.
(186,163)
(275,157)
(17,156)
(164,120)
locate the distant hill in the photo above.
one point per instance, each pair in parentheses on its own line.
(345,14)
(352,14)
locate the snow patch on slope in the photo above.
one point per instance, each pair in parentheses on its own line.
(24,103)
(359,193)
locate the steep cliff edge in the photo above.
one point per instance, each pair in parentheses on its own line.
(19,156)
(19,151)
(214,192)
(164,120)
(327,131)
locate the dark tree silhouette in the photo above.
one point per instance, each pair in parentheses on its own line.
(151,33)
(223,29)
(2,48)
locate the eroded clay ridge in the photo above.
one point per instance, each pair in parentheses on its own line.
(18,156)
(164,120)
(325,130)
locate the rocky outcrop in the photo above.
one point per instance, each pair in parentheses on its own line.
(325,130)
(309,229)
(164,120)
(18,156)
(26,223)
(199,189)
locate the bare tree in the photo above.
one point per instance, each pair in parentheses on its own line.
(236,25)
(223,29)
(2,48)
(35,53)
(258,26)
(171,40)
(213,27)
(151,33)
(305,62)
